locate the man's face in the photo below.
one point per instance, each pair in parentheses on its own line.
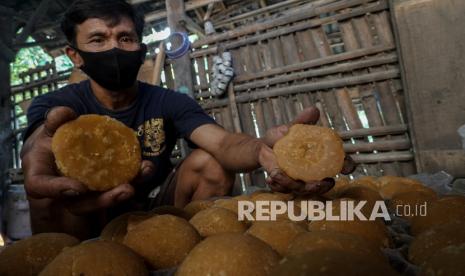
(96,35)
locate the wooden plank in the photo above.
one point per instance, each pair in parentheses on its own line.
(276,52)
(388,104)
(246,59)
(260,118)
(321,42)
(227,119)
(383,27)
(182,66)
(277,55)
(327,70)
(265,53)
(234,109)
(292,17)
(398,144)
(268,113)
(246,119)
(452,160)
(316,24)
(334,113)
(344,101)
(188,6)
(382,157)
(291,55)
(363,32)
(307,45)
(323,115)
(374,131)
(202,72)
(348,36)
(169,76)
(435,95)
(279,117)
(237,62)
(308,87)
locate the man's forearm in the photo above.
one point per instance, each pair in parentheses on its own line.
(239,152)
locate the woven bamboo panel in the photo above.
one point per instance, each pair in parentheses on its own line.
(339,56)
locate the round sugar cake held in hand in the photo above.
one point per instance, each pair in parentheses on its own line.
(310,152)
(99,151)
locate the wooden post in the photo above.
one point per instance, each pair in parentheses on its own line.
(6,132)
(182,66)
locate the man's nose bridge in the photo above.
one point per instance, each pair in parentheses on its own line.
(114,42)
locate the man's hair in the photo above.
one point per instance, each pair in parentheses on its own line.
(111,11)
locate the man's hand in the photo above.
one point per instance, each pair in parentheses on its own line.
(277,179)
(42,179)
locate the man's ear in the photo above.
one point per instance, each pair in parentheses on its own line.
(74,56)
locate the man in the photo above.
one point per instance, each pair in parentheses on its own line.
(105,42)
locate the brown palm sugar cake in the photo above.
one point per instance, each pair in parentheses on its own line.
(405,204)
(170,210)
(332,262)
(163,240)
(444,210)
(99,151)
(278,234)
(213,221)
(314,240)
(117,228)
(229,254)
(97,258)
(429,242)
(196,206)
(310,152)
(447,261)
(31,255)
(390,186)
(374,232)
(340,183)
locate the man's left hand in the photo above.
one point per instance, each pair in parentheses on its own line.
(277,179)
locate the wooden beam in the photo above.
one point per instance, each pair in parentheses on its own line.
(60,41)
(373,131)
(389,145)
(40,11)
(308,87)
(6,53)
(256,12)
(338,68)
(190,5)
(316,8)
(375,7)
(7,138)
(382,157)
(193,27)
(209,11)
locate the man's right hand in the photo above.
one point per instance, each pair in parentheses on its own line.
(42,179)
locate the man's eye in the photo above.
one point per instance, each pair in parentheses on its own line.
(127,39)
(96,40)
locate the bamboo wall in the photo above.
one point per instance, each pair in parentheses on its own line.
(337,55)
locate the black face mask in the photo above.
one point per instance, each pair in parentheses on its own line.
(114,69)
